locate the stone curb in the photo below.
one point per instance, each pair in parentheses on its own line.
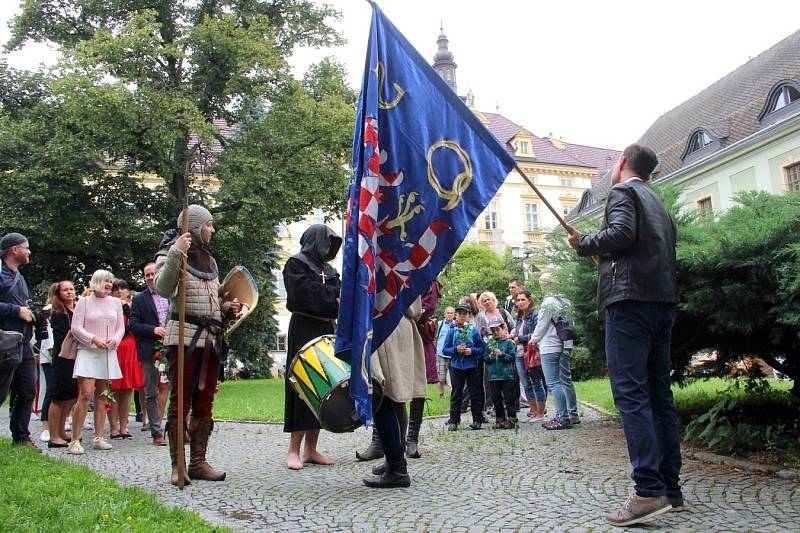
(605,412)
(714,458)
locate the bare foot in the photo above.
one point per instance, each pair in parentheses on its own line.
(293,461)
(316,458)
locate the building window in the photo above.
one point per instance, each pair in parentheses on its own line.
(698,141)
(490,216)
(704,206)
(793,177)
(318,216)
(523,147)
(280,342)
(531,217)
(782,96)
(567,182)
(280,288)
(566,209)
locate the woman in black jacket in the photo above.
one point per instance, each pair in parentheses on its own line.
(65,389)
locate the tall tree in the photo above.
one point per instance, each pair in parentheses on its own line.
(139,92)
(56,190)
(174,66)
(283,162)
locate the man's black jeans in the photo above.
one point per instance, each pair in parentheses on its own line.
(20,382)
(638,337)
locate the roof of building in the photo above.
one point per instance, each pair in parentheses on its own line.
(547,151)
(727,110)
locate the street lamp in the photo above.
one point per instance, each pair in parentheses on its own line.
(527,251)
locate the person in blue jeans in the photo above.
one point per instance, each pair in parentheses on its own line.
(637,289)
(555,359)
(464,345)
(532,382)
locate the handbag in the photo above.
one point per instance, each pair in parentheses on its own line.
(428,330)
(69,348)
(10,347)
(532,358)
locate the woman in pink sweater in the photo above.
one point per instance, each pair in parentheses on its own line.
(98,326)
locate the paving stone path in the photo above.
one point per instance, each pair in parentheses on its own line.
(487,480)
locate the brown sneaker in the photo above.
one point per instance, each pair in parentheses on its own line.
(159,440)
(638,509)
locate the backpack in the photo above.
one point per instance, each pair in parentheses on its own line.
(563,326)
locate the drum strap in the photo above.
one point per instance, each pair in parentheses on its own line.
(323,319)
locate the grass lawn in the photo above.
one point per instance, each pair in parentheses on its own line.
(44,494)
(262,399)
(695,393)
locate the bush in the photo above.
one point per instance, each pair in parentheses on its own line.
(736,423)
(738,278)
(586,365)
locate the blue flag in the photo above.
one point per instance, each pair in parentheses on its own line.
(425,168)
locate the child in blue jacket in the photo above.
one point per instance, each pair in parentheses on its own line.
(499,358)
(465,347)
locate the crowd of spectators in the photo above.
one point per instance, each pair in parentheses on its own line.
(495,357)
(96,353)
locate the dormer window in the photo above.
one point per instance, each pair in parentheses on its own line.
(523,147)
(783,100)
(700,145)
(698,141)
(785,95)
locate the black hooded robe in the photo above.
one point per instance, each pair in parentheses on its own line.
(307,297)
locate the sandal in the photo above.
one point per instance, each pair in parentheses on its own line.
(555,424)
(125,436)
(117,436)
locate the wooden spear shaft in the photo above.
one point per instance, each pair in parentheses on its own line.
(549,206)
(180,456)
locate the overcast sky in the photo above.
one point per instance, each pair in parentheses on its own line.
(596,73)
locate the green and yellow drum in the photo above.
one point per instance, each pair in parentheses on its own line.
(323,382)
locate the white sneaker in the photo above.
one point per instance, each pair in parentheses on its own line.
(535,419)
(101,444)
(45,436)
(75,448)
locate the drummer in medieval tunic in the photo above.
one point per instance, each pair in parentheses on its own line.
(312,296)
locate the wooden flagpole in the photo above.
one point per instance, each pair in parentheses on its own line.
(179,432)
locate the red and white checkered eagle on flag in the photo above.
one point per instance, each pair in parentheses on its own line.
(425,168)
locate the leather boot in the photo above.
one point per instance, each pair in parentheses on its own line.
(172,436)
(402,420)
(414,425)
(373,451)
(379,469)
(200,430)
(396,475)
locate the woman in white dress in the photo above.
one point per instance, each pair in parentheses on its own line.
(98,326)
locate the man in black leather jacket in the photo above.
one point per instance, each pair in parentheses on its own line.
(637,289)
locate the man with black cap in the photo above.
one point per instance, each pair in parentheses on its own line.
(16,315)
(203,335)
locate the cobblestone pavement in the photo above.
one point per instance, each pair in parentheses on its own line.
(487,480)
